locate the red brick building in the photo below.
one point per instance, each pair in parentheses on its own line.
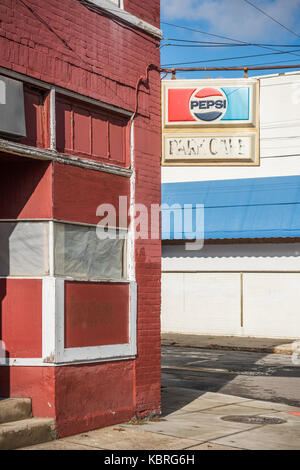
(80,317)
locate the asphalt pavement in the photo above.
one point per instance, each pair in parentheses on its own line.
(259,376)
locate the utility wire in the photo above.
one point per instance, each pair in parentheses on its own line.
(204,42)
(226,58)
(203,32)
(230,43)
(200,45)
(222,37)
(275,63)
(271,18)
(219,45)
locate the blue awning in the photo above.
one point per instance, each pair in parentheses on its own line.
(244,208)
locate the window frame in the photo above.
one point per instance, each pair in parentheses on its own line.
(106,4)
(77,108)
(78,278)
(49,252)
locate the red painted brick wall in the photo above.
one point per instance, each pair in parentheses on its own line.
(66,44)
(93,396)
(25,188)
(37,383)
(71,46)
(77,193)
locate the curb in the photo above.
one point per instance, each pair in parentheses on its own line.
(284,349)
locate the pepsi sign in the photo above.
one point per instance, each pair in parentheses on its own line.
(208,104)
(210,122)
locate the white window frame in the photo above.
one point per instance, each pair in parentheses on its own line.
(113,5)
(118,3)
(125,261)
(54,351)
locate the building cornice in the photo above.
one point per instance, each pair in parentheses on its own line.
(126,17)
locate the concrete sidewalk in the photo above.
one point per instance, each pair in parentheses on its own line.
(233,343)
(193,420)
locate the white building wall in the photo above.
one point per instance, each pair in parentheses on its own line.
(201,303)
(272,305)
(234,290)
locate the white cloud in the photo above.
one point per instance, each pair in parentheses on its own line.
(235,18)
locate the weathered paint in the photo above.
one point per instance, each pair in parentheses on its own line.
(37,117)
(37,383)
(96,314)
(86,131)
(25,188)
(77,194)
(21,317)
(93,396)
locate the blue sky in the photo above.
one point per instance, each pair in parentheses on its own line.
(236,20)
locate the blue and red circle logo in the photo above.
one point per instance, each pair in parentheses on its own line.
(208,104)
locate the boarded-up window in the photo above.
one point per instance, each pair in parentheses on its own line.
(86,131)
(81,254)
(37,117)
(24,248)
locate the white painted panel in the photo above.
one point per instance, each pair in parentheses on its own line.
(172,303)
(235,257)
(280,116)
(201,303)
(272,305)
(279,100)
(269,167)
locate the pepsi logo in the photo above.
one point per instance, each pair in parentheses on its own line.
(208,104)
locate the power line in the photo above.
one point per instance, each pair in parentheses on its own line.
(203,32)
(201,45)
(204,42)
(271,18)
(223,37)
(223,45)
(275,63)
(226,58)
(231,44)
